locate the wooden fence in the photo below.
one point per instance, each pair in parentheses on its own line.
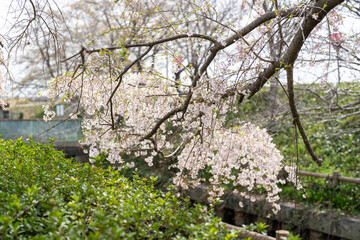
(336,177)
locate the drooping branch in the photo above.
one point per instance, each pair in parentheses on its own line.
(23,33)
(295,114)
(320,9)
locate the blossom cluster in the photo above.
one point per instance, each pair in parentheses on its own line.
(115,123)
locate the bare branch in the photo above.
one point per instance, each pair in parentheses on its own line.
(321,9)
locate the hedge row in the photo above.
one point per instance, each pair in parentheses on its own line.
(46,196)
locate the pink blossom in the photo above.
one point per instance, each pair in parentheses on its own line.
(178,60)
(337,38)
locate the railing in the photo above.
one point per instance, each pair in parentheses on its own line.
(336,177)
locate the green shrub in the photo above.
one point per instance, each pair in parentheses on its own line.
(46,196)
(339,152)
(344,196)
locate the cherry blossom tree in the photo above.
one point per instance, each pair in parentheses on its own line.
(132,105)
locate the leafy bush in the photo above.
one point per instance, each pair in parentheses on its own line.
(45,196)
(257,227)
(343,196)
(340,153)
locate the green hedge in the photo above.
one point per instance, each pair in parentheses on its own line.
(46,196)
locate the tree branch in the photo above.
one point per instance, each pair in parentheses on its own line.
(119,78)
(321,9)
(295,114)
(214,50)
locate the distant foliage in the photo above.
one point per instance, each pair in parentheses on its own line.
(336,142)
(45,196)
